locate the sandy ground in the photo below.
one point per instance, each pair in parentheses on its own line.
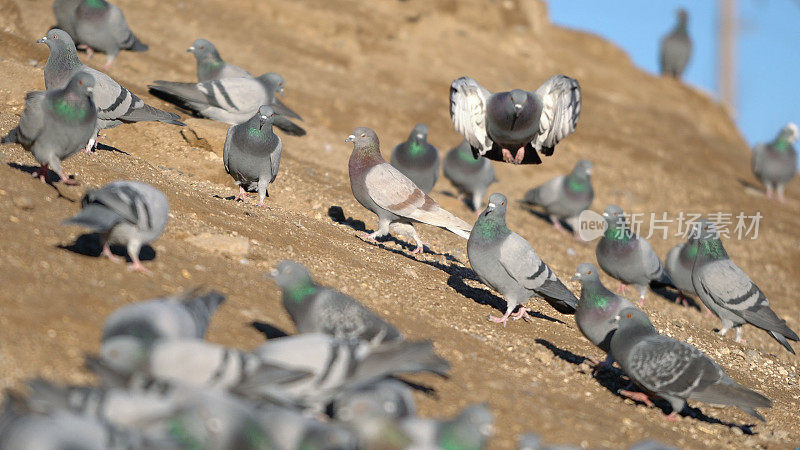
(657,145)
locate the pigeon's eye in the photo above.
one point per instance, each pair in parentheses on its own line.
(55,36)
(502,203)
(589,272)
(80,82)
(629,315)
(202,47)
(363,134)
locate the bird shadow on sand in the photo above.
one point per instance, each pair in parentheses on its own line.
(672,296)
(544,217)
(614,380)
(465,199)
(89,244)
(109,148)
(51,176)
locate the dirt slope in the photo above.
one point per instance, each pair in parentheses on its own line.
(657,146)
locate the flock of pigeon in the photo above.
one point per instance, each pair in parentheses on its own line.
(334,385)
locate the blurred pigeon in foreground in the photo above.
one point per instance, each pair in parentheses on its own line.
(566,196)
(471,429)
(319,309)
(729,293)
(231,100)
(775,163)
(679,263)
(115,104)
(627,257)
(210,65)
(676,48)
(470,176)
(386,399)
(395,199)
(674,370)
(252,154)
(129,213)
(64,11)
(507,263)
(292,430)
(417,159)
(56,124)
(514,126)
(530,441)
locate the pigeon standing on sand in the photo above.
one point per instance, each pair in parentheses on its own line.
(417,159)
(470,176)
(565,197)
(627,257)
(129,213)
(775,163)
(514,126)
(99,25)
(231,100)
(56,124)
(252,154)
(395,199)
(676,48)
(729,293)
(505,261)
(674,370)
(210,65)
(115,104)
(319,309)
(679,263)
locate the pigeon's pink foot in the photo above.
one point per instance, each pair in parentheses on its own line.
(89,50)
(502,320)
(240,195)
(507,156)
(557,224)
(622,288)
(262,205)
(672,417)
(520,156)
(136,266)
(641,301)
(67,180)
(417,250)
(707,312)
(522,313)
(41,174)
(636,396)
(769,192)
(367,236)
(681,300)
(111,257)
(600,366)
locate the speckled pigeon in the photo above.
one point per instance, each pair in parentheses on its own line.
(417,159)
(775,163)
(472,177)
(566,196)
(676,48)
(210,65)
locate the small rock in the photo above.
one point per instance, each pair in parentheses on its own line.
(23,202)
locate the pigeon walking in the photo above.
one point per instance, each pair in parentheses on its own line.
(129,213)
(319,309)
(395,199)
(775,163)
(679,263)
(676,48)
(210,65)
(56,124)
(417,159)
(627,257)
(729,293)
(566,196)
(504,261)
(115,104)
(472,177)
(252,154)
(674,370)
(514,126)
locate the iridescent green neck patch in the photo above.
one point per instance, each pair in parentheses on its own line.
(576,185)
(415,148)
(69,110)
(299,292)
(256,133)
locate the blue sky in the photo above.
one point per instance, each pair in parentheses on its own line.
(768,49)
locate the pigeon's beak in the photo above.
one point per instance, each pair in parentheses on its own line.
(42,40)
(90,89)
(280,91)
(605,214)
(489,208)
(420,136)
(190,49)
(350,138)
(517,107)
(262,119)
(589,171)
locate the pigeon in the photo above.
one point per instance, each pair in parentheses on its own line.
(98,25)
(417,159)
(56,124)
(597,310)
(319,309)
(674,370)
(395,199)
(566,196)
(252,154)
(775,163)
(387,399)
(210,65)
(729,293)
(628,258)
(115,104)
(291,430)
(679,263)
(676,48)
(129,213)
(231,100)
(470,430)
(504,261)
(472,177)
(514,126)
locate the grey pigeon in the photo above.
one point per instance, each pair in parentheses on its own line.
(679,263)
(56,124)
(252,154)
(65,15)
(676,48)
(395,199)
(566,196)
(231,100)
(292,430)
(507,263)
(729,293)
(129,213)
(210,65)
(597,310)
(115,104)
(417,159)
(386,399)
(99,25)
(674,370)
(530,441)
(469,430)
(319,309)
(470,176)
(514,126)
(627,257)
(775,163)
